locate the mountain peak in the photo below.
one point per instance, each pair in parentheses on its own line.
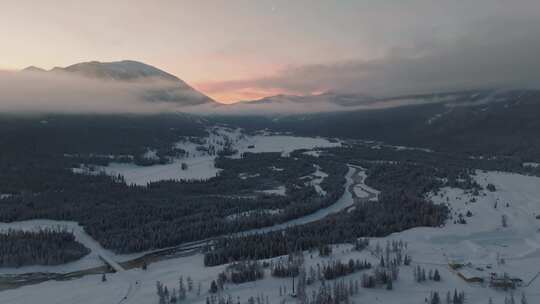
(173,89)
(126,70)
(33,69)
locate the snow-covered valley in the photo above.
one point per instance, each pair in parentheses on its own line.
(482,245)
(491,234)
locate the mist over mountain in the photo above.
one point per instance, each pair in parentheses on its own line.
(33,69)
(334,101)
(126,70)
(168,88)
(118,86)
(134,87)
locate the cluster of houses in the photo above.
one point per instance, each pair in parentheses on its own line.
(471,274)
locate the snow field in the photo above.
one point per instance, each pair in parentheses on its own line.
(201,165)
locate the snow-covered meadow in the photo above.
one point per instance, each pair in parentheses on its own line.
(201,164)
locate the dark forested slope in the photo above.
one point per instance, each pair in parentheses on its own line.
(485,123)
(43,247)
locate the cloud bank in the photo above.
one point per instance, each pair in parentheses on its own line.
(502,52)
(38,92)
(497,50)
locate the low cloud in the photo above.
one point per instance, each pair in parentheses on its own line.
(499,52)
(38,92)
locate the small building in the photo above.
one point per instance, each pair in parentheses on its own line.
(470,275)
(504,281)
(468,272)
(455,265)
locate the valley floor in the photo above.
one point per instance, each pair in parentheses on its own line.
(482,245)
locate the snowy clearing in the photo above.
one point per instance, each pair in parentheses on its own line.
(360,189)
(246,175)
(531,165)
(200,168)
(201,154)
(281,143)
(344,202)
(316,179)
(251,212)
(276,191)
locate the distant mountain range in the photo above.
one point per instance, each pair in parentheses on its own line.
(482,122)
(340,99)
(172,89)
(355,101)
(477,122)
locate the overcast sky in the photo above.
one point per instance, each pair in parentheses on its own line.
(246,49)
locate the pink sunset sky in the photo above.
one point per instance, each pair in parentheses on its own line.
(235,50)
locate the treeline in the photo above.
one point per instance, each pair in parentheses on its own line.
(449,164)
(417,179)
(127,218)
(467,130)
(393,212)
(86,134)
(44,247)
(241,272)
(38,152)
(338,269)
(401,205)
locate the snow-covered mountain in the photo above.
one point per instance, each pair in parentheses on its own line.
(120,70)
(33,69)
(170,88)
(331,98)
(294,104)
(337,101)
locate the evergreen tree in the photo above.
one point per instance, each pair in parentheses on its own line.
(435,299)
(524,299)
(436,276)
(389,285)
(144,265)
(213,287)
(190,284)
(174,297)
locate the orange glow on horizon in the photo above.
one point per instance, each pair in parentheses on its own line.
(249,94)
(236,95)
(230,97)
